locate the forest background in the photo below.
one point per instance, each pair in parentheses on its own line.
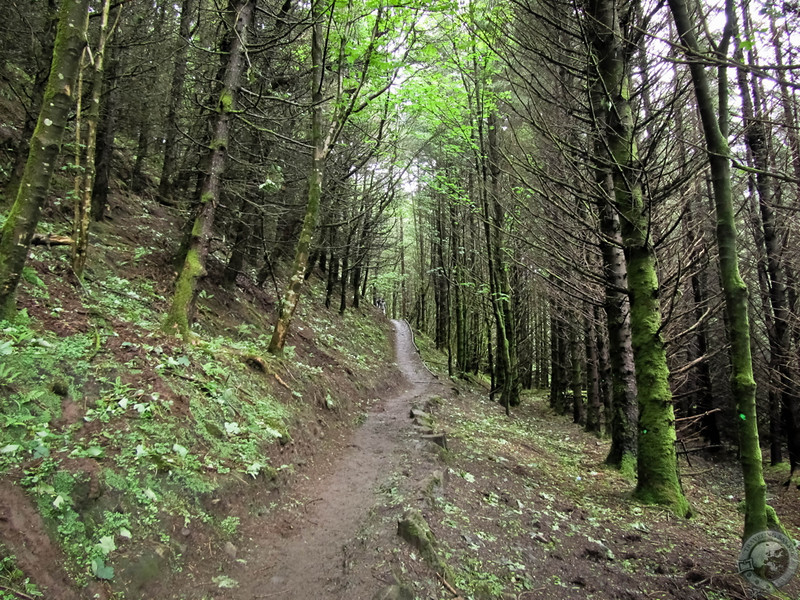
(598,198)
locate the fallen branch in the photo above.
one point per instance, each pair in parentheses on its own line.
(16,592)
(449,587)
(282,382)
(696,473)
(40,239)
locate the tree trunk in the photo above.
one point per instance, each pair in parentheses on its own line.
(576,378)
(240,14)
(45,147)
(498,274)
(604,372)
(106,129)
(38,87)
(594,402)
(83,203)
(657,467)
(175,99)
(758,516)
(624,414)
(142,149)
(755,137)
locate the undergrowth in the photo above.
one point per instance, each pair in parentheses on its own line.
(116,439)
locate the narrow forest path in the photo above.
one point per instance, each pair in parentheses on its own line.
(311,559)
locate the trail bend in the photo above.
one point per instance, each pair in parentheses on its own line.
(313,560)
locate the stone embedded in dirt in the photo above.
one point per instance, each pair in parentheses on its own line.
(597,552)
(434,484)
(440,439)
(540,538)
(230,550)
(418,415)
(395,592)
(414,529)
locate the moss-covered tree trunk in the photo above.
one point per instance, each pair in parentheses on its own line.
(45,147)
(656,458)
(37,88)
(501,296)
(83,203)
(239,14)
(758,516)
(291,296)
(755,136)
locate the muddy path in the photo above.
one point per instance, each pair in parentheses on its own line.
(311,558)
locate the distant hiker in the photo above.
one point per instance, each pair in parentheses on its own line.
(380,304)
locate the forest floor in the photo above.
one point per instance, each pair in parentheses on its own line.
(137,467)
(519,508)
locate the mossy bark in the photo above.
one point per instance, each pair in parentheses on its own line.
(45,147)
(755,136)
(291,296)
(656,457)
(239,15)
(758,516)
(622,418)
(83,203)
(494,223)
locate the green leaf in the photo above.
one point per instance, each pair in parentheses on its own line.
(41,451)
(95,452)
(100,570)
(223,581)
(106,544)
(180,450)
(9,449)
(254,469)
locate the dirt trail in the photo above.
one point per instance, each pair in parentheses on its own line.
(312,562)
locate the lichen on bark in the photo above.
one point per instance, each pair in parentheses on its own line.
(45,147)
